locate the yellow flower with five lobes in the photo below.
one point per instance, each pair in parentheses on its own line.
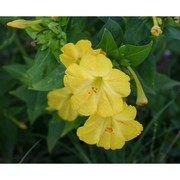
(73,53)
(111,132)
(22,24)
(60,100)
(97,87)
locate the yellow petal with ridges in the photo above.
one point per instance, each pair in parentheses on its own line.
(109,104)
(70,54)
(85,102)
(117,82)
(110,132)
(130,129)
(84,47)
(60,99)
(128,113)
(76,78)
(91,131)
(98,65)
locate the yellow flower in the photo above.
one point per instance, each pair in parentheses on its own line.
(96,86)
(73,53)
(156,31)
(60,99)
(22,24)
(111,132)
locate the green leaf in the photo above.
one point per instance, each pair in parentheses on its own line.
(35,101)
(7,82)
(17,71)
(76,24)
(136,54)
(46,74)
(136,30)
(115,29)
(172,32)
(163,82)
(107,43)
(69,126)
(55,128)
(147,70)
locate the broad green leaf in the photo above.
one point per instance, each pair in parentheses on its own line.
(115,29)
(17,71)
(136,30)
(21,92)
(46,73)
(136,54)
(55,128)
(107,43)
(76,24)
(36,104)
(35,101)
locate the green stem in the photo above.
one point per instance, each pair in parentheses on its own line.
(155,21)
(20,46)
(27,153)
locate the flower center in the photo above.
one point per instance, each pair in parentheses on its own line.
(109,129)
(96,85)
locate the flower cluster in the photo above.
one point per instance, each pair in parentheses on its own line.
(94,88)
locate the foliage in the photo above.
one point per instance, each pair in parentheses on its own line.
(30,68)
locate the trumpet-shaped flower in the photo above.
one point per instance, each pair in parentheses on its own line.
(60,99)
(73,53)
(22,24)
(111,132)
(96,86)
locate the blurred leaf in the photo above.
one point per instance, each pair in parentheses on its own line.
(135,54)
(76,24)
(7,82)
(107,43)
(35,101)
(8,41)
(69,126)
(172,32)
(136,30)
(46,73)
(147,70)
(55,128)
(17,71)
(115,29)
(21,93)
(8,137)
(163,82)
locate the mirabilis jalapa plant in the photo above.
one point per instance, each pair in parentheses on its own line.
(95,82)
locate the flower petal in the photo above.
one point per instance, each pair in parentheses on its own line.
(76,78)
(129,129)
(109,104)
(91,131)
(84,47)
(117,82)
(98,65)
(85,102)
(128,113)
(70,54)
(60,99)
